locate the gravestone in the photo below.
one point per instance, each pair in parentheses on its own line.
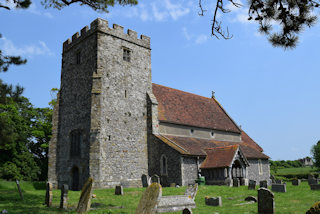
(244,182)
(48,200)
(265,201)
(19,189)
(228,182)
(172,184)
(279,188)
(315,186)
(187,211)
(312,181)
(278,181)
(236,182)
(118,190)
(213,201)
(154,179)
(144,180)
(85,197)
(252,185)
(273,179)
(191,191)
(150,199)
(64,196)
(315,209)
(296,182)
(263,184)
(251,198)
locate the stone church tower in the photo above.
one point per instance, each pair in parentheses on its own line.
(101,125)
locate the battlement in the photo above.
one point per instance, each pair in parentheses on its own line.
(101,25)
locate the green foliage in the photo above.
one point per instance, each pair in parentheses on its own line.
(285,164)
(315,151)
(18,4)
(290,173)
(98,5)
(25,132)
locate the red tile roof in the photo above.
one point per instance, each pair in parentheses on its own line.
(245,138)
(179,107)
(219,157)
(197,146)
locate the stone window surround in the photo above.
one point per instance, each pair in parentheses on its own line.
(126,54)
(163,167)
(260,167)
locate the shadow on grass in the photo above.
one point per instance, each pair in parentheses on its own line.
(40,185)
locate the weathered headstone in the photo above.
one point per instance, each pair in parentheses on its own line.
(265,201)
(19,189)
(144,180)
(118,190)
(315,209)
(312,181)
(236,182)
(251,198)
(213,201)
(279,188)
(150,199)
(296,182)
(315,186)
(172,184)
(85,197)
(187,211)
(244,182)
(48,200)
(154,179)
(228,182)
(263,184)
(252,185)
(278,181)
(64,196)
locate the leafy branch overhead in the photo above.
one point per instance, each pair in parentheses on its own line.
(291,15)
(98,5)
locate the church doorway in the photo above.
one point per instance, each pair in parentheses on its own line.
(75,178)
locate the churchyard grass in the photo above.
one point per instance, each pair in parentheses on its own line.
(296,200)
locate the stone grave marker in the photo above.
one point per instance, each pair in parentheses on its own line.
(118,190)
(312,181)
(315,186)
(251,198)
(48,199)
(263,184)
(228,182)
(213,201)
(278,181)
(279,188)
(315,209)
(273,179)
(150,199)
(187,211)
(64,196)
(265,201)
(244,182)
(154,179)
(19,189)
(85,197)
(191,191)
(236,182)
(252,185)
(296,182)
(172,184)
(144,180)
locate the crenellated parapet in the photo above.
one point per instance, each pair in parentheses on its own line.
(101,26)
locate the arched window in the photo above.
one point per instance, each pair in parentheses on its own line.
(75,143)
(163,165)
(260,167)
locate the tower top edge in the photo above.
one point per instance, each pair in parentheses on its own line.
(102,25)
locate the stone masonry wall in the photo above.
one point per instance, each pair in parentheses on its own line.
(253,170)
(189,168)
(123,99)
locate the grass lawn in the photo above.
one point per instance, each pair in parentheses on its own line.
(298,199)
(300,170)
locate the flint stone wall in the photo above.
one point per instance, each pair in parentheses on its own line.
(253,170)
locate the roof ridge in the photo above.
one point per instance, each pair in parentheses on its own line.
(220,147)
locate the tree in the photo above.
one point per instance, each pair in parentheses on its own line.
(315,151)
(292,16)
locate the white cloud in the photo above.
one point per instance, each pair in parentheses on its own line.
(186,34)
(159,16)
(201,39)
(9,48)
(175,10)
(196,39)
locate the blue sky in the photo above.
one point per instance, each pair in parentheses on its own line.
(273,94)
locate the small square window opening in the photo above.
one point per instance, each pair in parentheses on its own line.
(126,54)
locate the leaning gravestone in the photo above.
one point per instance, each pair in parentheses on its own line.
(263,184)
(252,184)
(296,182)
(150,199)
(85,197)
(118,190)
(265,201)
(315,186)
(213,201)
(279,188)
(64,196)
(315,209)
(236,182)
(144,180)
(48,200)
